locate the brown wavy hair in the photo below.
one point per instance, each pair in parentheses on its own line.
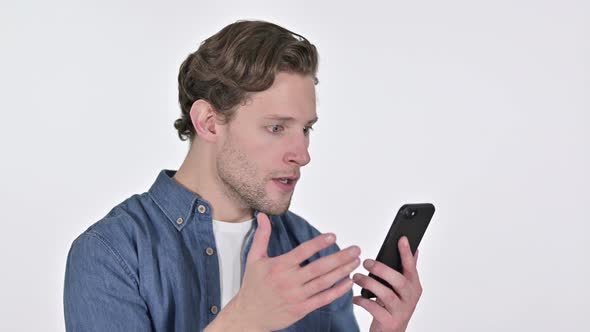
(242,58)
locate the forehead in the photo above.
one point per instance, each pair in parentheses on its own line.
(291,96)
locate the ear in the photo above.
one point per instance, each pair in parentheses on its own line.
(204,118)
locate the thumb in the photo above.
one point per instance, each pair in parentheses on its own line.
(259,247)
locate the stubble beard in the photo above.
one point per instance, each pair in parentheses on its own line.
(240,182)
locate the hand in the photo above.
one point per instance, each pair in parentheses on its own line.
(277,292)
(392,310)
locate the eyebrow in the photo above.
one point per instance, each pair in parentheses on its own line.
(289,118)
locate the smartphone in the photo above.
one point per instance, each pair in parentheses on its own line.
(411,221)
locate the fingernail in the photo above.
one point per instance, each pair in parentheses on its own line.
(353,251)
(405,242)
(369,263)
(330,238)
(356,277)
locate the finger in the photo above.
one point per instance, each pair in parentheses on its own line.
(377,311)
(259,247)
(328,263)
(397,280)
(408,260)
(327,280)
(386,294)
(308,248)
(327,296)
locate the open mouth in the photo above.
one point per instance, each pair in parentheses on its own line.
(285,180)
(286,184)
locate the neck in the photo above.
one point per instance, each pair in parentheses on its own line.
(198,174)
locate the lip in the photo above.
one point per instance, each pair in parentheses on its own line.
(286,187)
(290,178)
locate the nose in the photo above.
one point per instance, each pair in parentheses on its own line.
(298,152)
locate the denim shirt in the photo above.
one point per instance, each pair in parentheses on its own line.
(151,265)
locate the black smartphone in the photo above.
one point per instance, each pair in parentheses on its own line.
(411,221)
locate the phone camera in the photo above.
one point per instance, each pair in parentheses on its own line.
(410,213)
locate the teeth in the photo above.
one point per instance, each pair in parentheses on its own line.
(285,181)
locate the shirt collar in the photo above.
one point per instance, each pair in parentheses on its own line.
(177,202)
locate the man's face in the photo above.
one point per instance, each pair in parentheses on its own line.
(263,147)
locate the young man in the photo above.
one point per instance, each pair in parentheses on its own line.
(213,246)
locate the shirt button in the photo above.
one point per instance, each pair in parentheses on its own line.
(209,251)
(214,309)
(179,221)
(201,208)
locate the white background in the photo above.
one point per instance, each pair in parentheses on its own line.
(478,107)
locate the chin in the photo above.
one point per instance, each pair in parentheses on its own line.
(275,211)
(275,208)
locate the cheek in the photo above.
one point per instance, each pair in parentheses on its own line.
(259,143)
(268,157)
(253,146)
(260,148)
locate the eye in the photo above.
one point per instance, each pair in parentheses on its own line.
(307,130)
(275,129)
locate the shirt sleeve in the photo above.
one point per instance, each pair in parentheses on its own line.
(100,292)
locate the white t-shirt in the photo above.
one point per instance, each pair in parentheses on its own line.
(229,239)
